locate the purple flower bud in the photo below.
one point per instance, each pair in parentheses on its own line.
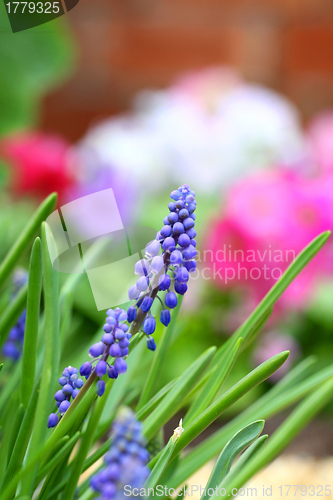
(120,365)
(142,267)
(166,221)
(180,288)
(169,244)
(96,349)
(191,233)
(59,396)
(111,320)
(188,223)
(100,369)
(75,393)
(142,284)
(149,325)
(53,420)
(115,350)
(165,317)
(146,304)
(182,275)
(183,214)
(193,216)
(164,282)
(172,206)
(123,327)
(120,334)
(184,240)
(63,380)
(153,248)
(171,300)
(178,228)
(107,328)
(100,388)
(175,195)
(124,352)
(67,389)
(133,293)
(173,217)
(131,314)
(191,207)
(190,252)
(123,343)
(64,406)
(122,315)
(190,265)
(180,204)
(112,372)
(85,369)
(166,231)
(157,264)
(107,339)
(176,258)
(78,384)
(151,344)
(193,243)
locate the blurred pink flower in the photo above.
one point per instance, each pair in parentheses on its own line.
(268,219)
(40,164)
(320,141)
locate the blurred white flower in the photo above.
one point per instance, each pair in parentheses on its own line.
(208,127)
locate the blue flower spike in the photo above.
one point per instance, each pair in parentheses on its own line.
(126,461)
(71,385)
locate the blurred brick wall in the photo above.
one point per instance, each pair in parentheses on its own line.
(127,45)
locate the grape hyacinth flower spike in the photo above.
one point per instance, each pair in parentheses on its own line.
(71,385)
(168,261)
(126,461)
(114,343)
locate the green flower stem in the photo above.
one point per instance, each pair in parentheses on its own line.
(158,359)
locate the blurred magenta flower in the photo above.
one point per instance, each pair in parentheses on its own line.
(40,164)
(320,142)
(267,220)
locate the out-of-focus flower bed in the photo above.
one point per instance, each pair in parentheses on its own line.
(265,187)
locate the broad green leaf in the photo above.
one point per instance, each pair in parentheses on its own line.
(12,313)
(26,236)
(29,356)
(225,363)
(51,357)
(292,426)
(158,359)
(174,399)
(247,455)
(241,440)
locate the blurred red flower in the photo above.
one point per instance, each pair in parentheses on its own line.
(39,164)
